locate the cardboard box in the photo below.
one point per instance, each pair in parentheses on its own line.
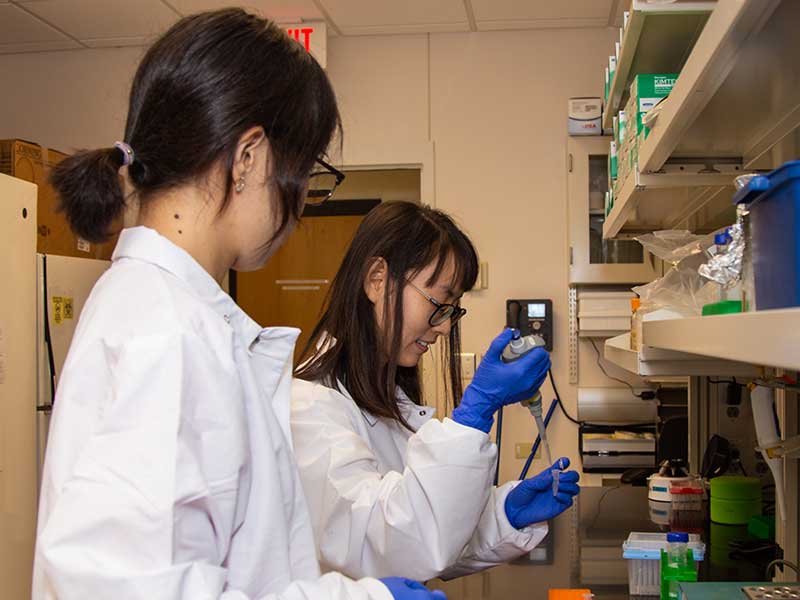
(31,162)
(646,91)
(585,116)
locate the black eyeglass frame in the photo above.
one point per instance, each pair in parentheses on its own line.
(313,196)
(454,316)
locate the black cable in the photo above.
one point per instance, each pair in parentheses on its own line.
(498,438)
(599,364)
(558,399)
(48,342)
(600,504)
(584,423)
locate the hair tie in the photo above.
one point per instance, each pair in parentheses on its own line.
(127,153)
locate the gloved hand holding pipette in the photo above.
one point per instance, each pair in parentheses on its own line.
(497,383)
(544,496)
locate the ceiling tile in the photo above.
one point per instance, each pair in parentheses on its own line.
(390,16)
(103,19)
(282,11)
(24,47)
(19,27)
(541,11)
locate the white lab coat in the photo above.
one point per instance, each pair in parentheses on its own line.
(169,470)
(386,500)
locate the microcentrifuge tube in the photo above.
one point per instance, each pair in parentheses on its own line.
(556,473)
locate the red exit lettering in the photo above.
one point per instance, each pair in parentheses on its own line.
(305,32)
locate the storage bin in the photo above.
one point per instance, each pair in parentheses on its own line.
(774,201)
(643,553)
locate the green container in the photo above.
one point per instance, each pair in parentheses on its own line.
(734,499)
(725,307)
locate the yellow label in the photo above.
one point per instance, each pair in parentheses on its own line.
(68,311)
(58,309)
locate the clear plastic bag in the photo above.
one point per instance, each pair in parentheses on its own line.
(682,290)
(674,245)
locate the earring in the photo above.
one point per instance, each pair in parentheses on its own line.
(240,184)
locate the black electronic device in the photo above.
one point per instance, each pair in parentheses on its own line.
(532,317)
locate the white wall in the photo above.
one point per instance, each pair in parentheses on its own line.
(66,100)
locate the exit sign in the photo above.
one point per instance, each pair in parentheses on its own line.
(313,37)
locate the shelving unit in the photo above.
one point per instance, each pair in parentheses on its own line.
(649,202)
(656,362)
(658,39)
(769,338)
(736,102)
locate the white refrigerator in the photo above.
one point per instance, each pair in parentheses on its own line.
(18,491)
(63,286)
(41,298)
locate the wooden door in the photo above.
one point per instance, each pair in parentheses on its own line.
(291,288)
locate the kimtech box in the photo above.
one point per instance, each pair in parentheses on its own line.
(646,91)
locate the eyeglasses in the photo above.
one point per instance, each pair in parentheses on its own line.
(443,311)
(322,183)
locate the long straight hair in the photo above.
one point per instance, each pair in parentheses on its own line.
(347,347)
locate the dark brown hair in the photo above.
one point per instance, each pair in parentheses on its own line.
(409,237)
(205,82)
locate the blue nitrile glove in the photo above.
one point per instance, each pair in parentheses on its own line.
(532,501)
(408,589)
(496,383)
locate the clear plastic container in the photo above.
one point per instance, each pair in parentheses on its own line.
(676,549)
(643,553)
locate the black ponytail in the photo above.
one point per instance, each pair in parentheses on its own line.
(200,86)
(91,191)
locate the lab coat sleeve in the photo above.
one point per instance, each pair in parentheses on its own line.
(414,523)
(496,541)
(111,531)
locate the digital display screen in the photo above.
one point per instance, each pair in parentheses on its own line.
(536,311)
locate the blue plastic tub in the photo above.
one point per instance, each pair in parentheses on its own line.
(774,201)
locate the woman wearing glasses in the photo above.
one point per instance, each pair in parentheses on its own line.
(390,488)
(169,470)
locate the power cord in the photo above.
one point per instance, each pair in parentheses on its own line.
(497,440)
(645,395)
(780,561)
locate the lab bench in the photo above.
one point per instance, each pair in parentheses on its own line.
(605,518)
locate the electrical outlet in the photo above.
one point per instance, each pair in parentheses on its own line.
(522,450)
(467,365)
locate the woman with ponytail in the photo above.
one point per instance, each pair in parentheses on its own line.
(169,470)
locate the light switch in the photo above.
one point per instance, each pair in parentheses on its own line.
(467,365)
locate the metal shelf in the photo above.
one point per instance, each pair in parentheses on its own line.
(738,94)
(738,99)
(648,202)
(658,39)
(769,338)
(655,362)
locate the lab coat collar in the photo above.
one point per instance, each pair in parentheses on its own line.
(415,415)
(145,244)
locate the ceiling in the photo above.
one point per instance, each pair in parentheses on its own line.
(45,25)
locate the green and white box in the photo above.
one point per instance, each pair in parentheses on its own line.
(612,160)
(646,91)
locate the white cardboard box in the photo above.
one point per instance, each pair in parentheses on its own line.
(584,116)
